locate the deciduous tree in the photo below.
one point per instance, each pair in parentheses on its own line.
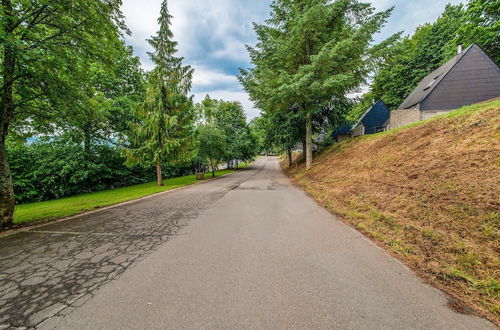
(230,118)
(211,145)
(46,46)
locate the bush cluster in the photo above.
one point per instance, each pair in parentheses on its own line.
(52,168)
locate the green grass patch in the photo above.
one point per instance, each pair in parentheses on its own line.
(64,207)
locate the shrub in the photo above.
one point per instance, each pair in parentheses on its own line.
(52,168)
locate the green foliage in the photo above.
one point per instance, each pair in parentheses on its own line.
(408,61)
(229,117)
(52,168)
(310,55)
(413,58)
(54,44)
(259,131)
(108,98)
(481,24)
(164,131)
(211,145)
(47,48)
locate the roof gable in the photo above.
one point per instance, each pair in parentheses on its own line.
(376,116)
(431,81)
(475,79)
(342,130)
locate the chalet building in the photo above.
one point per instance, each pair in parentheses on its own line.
(470,77)
(374,120)
(342,133)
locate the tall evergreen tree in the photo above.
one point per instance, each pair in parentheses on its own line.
(311,54)
(165,131)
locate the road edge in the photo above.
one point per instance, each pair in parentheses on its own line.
(454,302)
(26,228)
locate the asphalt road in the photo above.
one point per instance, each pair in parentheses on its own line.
(247,251)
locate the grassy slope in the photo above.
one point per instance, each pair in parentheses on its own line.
(429,193)
(50,210)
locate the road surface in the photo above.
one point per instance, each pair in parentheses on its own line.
(246,251)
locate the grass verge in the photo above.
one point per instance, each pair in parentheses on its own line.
(65,207)
(427,193)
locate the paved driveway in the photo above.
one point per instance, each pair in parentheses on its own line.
(247,251)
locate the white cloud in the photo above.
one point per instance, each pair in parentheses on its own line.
(205,77)
(240,96)
(142,21)
(408,15)
(212,35)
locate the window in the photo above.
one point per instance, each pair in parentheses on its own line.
(431,83)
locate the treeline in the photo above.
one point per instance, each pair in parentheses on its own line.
(224,134)
(56,167)
(311,55)
(52,167)
(78,114)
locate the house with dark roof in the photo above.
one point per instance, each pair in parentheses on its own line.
(469,77)
(342,133)
(374,120)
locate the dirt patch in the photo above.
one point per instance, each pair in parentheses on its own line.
(459,307)
(429,194)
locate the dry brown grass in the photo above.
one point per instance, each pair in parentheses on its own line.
(430,194)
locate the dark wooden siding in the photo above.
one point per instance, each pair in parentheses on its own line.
(377,117)
(473,79)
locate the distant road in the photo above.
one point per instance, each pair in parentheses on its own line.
(247,251)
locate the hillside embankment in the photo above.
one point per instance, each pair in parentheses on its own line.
(429,194)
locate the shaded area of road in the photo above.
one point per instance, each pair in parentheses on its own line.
(249,251)
(54,268)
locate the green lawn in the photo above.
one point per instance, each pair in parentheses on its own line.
(60,208)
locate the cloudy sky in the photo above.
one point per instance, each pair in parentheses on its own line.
(212,35)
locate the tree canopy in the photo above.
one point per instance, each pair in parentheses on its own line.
(310,55)
(211,145)
(410,59)
(230,119)
(47,48)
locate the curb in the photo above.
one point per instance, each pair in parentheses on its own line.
(104,208)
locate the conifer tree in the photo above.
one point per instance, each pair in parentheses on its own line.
(310,55)
(165,131)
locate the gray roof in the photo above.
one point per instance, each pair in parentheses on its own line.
(477,79)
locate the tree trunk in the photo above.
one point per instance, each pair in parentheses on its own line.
(309,153)
(304,150)
(289,154)
(158,174)
(7,202)
(213,168)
